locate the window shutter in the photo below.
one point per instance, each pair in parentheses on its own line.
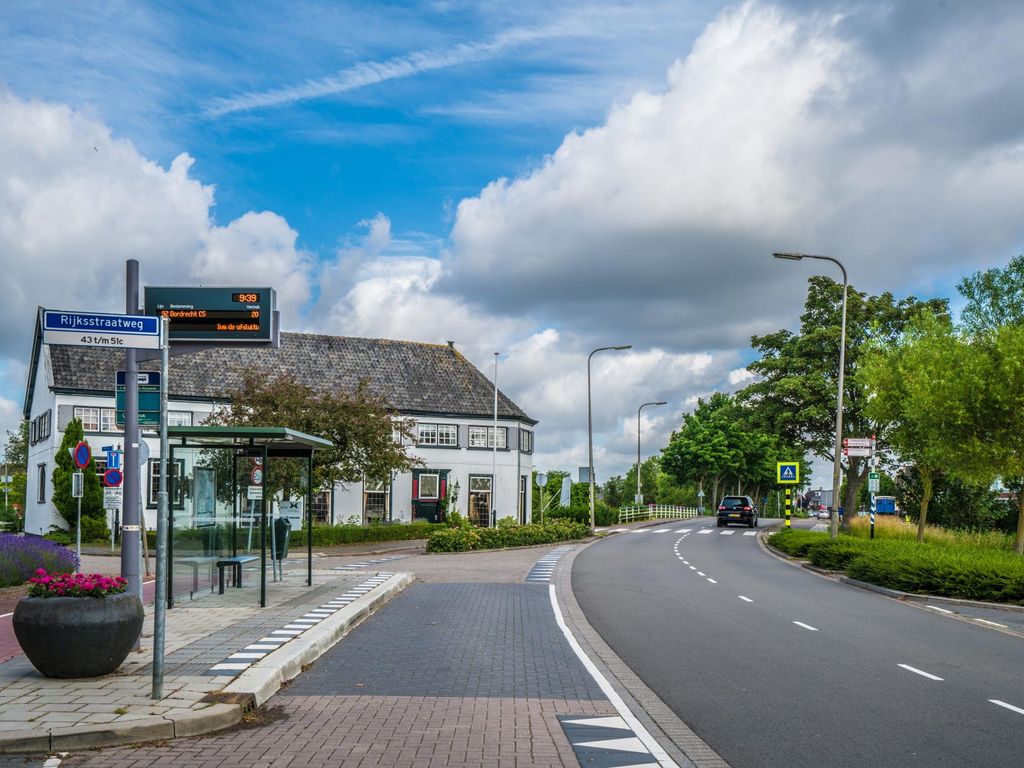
(64,415)
(512,438)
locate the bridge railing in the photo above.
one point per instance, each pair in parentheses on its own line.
(656,512)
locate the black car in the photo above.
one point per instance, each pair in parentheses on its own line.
(737,509)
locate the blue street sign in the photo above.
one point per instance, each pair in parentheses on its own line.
(98,329)
(788,472)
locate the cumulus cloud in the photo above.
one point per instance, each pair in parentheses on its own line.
(779,131)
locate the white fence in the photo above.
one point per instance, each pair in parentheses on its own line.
(656,512)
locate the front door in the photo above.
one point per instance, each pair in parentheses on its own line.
(480,500)
(428,490)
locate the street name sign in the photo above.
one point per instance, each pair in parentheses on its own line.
(97,329)
(214,314)
(788,472)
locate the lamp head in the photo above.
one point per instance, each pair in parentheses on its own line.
(623,346)
(789,256)
(661,402)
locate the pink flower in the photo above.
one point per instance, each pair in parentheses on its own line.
(40,571)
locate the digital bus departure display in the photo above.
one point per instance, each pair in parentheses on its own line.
(214,314)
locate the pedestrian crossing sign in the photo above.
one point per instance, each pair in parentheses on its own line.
(788,472)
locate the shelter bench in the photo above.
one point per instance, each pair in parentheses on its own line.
(196,563)
(235,563)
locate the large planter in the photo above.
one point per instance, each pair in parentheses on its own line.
(71,637)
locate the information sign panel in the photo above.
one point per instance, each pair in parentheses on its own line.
(112,498)
(214,314)
(857,442)
(856,451)
(149,399)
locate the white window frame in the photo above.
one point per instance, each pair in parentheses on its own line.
(437,487)
(488,478)
(153,487)
(525,440)
(108,421)
(79,412)
(179,418)
(448,435)
(476,442)
(426,434)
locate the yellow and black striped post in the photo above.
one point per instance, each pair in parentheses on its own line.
(789,504)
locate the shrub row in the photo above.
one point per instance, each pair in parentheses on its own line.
(464,539)
(22,556)
(943,568)
(330,535)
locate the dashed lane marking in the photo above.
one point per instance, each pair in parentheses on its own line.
(744,599)
(936,608)
(705,531)
(726,533)
(750,533)
(1010,707)
(920,672)
(806,626)
(712,581)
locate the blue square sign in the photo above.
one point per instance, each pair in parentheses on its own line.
(788,472)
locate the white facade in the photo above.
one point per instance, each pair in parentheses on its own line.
(452,451)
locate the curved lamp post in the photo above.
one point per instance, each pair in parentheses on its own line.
(836,467)
(590,427)
(639,499)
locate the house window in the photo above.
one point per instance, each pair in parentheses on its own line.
(427,434)
(525,441)
(41,483)
(447,434)
(480,500)
(375,501)
(32,431)
(107,420)
(101,466)
(90,418)
(483,437)
(154,482)
(429,487)
(43,430)
(321,508)
(179,418)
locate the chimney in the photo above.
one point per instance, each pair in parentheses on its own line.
(451,344)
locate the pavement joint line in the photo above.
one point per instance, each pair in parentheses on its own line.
(1010,707)
(920,672)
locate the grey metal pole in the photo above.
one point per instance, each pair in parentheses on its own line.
(639,500)
(590,429)
(130,543)
(78,530)
(494,450)
(833,526)
(160,599)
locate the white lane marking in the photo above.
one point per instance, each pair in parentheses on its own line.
(1010,707)
(638,728)
(726,533)
(52,762)
(705,530)
(806,626)
(920,672)
(686,562)
(273,639)
(712,581)
(261,647)
(5,615)
(622,745)
(692,568)
(663,530)
(230,666)
(246,656)
(940,610)
(744,599)
(685,530)
(991,623)
(641,530)
(750,533)
(700,573)
(616,530)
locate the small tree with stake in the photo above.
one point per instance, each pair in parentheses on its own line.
(92,498)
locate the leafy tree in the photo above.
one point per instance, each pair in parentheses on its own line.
(616,491)
(92,498)
(995,297)
(360,427)
(794,396)
(955,503)
(650,472)
(705,449)
(16,465)
(550,496)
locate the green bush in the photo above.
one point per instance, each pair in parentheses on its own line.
(795,541)
(508,535)
(603,514)
(834,555)
(331,535)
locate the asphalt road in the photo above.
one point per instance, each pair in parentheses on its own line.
(774,666)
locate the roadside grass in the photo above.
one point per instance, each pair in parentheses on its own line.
(890,527)
(954,565)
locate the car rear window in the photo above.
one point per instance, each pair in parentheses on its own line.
(735,502)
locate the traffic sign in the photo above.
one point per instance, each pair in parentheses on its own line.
(98,329)
(858,442)
(788,472)
(112,498)
(256,476)
(113,478)
(81,455)
(874,482)
(856,451)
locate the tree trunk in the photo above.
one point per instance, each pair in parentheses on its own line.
(926,497)
(854,480)
(1018,543)
(714,493)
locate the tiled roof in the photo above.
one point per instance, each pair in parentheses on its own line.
(411,377)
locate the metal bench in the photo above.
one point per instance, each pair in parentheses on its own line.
(235,563)
(196,563)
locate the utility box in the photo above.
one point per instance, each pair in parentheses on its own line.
(885,505)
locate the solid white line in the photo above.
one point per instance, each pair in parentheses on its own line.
(744,599)
(918,671)
(5,615)
(1010,707)
(805,626)
(617,702)
(991,623)
(936,608)
(712,581)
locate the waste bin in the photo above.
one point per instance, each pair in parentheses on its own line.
(282,527)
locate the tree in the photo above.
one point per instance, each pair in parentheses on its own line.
(92,498)
(795,394)
(551,493)
(705,449)
(16,466)
(995,297)
(923,393)
(360,427)
(650,471)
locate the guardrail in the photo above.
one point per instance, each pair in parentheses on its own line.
(656,512)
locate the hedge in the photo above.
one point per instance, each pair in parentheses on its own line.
(796,541)
(464,539)
(331,535)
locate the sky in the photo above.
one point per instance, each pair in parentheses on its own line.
(533,178)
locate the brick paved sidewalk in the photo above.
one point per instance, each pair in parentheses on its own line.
(200,635)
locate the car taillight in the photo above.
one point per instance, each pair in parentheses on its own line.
(746,509)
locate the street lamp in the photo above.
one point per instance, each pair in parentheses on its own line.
(639,498)
(834,521)
(590,427)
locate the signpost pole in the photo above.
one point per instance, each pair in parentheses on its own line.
(160,599)
(130,548)
(789,504)
(79,487)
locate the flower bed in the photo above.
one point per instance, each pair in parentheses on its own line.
(74,585)
(22,556)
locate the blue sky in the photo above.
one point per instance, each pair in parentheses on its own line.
(537,178)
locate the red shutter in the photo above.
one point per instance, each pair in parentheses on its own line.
(415,488)
(444,488)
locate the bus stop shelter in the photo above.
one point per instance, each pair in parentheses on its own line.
(232,489)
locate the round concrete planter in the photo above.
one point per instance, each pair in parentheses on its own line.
(70,637)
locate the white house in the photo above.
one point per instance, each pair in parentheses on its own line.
(450,400)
